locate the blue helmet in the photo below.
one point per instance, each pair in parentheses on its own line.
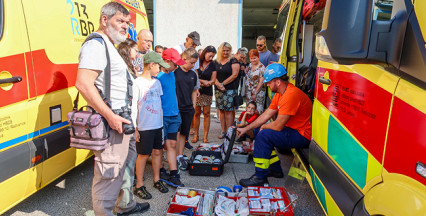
(274,70)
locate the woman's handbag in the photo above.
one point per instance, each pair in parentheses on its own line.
(238,99)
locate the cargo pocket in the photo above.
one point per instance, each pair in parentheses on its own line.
(109,168)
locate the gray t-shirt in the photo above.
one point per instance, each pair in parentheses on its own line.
(92,56)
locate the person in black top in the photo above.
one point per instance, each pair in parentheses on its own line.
(227,71)
(186,80)
(207,76)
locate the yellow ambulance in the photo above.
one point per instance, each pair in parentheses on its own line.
(368,150)
(39,45)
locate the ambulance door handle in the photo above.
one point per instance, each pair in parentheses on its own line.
(325,81)
(13,79)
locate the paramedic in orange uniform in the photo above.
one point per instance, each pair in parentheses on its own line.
(291,129)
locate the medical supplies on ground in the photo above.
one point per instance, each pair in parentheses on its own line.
(209,160)
(270,201)
(192,202)
(252,201)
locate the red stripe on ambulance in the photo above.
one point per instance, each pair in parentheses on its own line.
(406,140)
(362,107)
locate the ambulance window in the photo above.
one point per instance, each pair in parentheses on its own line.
(1,18)
(382,10)
(386,9)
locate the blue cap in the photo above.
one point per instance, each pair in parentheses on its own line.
(273,71)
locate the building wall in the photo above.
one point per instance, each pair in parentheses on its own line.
(216,21)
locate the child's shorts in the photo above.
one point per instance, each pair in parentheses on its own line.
(186,117)
(150,139)
(171,126)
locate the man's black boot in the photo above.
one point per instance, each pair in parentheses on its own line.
(253,181)
(275,174)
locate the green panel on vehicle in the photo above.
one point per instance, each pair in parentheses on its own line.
(346,151)
(319,190)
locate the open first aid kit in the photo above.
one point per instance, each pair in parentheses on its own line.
(253,201)
(270,201)
(190,201)
(210,161)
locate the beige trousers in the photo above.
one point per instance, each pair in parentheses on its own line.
(110,167)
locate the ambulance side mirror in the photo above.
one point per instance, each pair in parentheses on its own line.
(352,36)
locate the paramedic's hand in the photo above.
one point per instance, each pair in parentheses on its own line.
(116,123)
(241,131)
(137,136)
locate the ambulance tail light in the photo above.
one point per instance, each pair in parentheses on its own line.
(421,169)
(321,50)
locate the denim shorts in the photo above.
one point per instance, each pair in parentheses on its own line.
(171,124)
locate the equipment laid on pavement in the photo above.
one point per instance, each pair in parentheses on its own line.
(210,162)
(190,201)
(270,201)
(253,201)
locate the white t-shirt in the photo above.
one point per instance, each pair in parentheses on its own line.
(92,56)
(150,111)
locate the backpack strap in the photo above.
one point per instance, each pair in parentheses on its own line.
(106,94)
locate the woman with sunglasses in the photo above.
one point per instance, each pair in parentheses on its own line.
(207,76)
(226,89)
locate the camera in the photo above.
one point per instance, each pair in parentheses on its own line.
(125,112)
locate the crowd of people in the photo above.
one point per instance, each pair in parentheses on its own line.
(171,87)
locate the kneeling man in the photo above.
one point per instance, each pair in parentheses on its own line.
(291,129)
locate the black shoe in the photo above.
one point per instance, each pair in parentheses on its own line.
(275,174)
(161,187)
(164,175)
(174,181)
(139,208)
(253,181)
(187,145)
(142,193)
(183,163)
(241,139)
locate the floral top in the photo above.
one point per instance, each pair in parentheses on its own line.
(252,80)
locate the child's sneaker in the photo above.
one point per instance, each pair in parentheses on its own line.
(183,163)
(163,174)
(174,181)
(161,187)
(142,193)
(187,145)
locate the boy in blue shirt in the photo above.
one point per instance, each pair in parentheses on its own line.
(171,117)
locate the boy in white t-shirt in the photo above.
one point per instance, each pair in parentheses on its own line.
(149,133)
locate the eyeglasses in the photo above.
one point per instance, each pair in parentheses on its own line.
(260,45)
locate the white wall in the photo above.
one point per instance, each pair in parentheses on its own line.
(216,21)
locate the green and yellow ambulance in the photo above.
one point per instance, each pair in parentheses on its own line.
(368,150)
